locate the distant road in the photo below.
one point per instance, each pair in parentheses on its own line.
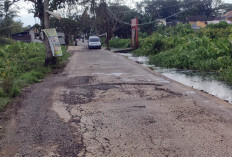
(103,104)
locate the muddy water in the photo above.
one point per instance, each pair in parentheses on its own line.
(198,80)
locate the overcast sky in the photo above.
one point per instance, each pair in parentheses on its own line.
(28,19)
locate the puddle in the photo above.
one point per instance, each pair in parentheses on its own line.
(162,81)
(98,73)
(198,80)
(115,74)
(128,80)
(140,59)
(191,92)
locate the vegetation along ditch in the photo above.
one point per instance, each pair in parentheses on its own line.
(198,58)
(208,49)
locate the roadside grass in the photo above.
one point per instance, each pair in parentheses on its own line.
(22,64)
(117,43)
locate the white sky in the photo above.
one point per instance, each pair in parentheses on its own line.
(28,19)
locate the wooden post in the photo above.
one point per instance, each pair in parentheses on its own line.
(134,33)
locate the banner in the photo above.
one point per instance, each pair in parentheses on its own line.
(53,41)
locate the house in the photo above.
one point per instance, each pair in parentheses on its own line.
(22,36)
(32,35)
(61,38)
(197,22)
(226,17)
(217,21)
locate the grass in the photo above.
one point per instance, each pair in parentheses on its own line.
(117,43)
(22,64)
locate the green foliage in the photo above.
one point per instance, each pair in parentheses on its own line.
(227,74)
(67,26)
(219,25)
(5,41)
(3,102)
(22,64)
(142,35)
(209,49)
(119,43)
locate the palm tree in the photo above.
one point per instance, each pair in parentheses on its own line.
(7,13)
(93,6)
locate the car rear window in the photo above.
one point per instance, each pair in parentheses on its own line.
(94,40)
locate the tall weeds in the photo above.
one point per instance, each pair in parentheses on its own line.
(20,65)
(209,49)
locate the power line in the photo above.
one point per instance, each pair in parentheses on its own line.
(126,23)
(183,3)
(116,18)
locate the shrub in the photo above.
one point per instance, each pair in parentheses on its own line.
(22,64)
(119,43)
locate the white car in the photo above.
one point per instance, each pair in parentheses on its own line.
(94,42)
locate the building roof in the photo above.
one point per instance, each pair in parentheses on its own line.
(228,14)
(196,18)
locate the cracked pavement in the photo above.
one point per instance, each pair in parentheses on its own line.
(103,104)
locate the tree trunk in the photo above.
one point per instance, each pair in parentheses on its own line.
(49,60)
(108,37)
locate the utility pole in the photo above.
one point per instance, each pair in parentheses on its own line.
(49,57)
(108,29)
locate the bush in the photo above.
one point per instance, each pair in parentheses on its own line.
(119,43)
(22,64)
(222,24)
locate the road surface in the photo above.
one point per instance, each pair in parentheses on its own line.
(103,104)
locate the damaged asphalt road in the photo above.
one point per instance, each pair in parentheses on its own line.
(105,105)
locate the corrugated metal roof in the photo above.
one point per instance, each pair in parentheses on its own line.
(228,14)
(197,18)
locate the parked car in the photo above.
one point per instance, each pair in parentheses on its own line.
(94,42)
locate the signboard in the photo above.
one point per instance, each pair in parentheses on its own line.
(134,33)
(53,41)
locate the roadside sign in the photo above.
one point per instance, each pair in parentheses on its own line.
(53,41)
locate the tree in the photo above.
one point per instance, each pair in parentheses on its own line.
(7,25)
(205,8)
(85,20)
(93,7)
(7,14)
(68,26)
(1,10)
(107,24)
(39,10)
(122,28)
(155,10)
(223,8)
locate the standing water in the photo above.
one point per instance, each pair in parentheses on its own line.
(198,80)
